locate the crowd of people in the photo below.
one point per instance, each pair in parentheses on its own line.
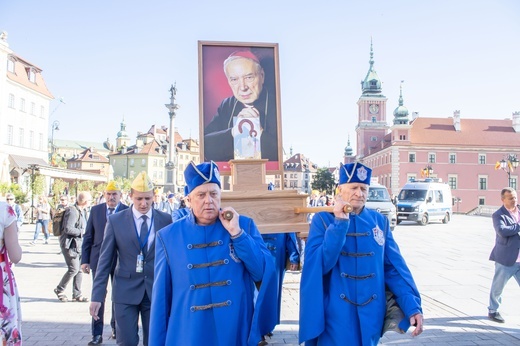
(180,266)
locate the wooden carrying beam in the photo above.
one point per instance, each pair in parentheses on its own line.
(273,211)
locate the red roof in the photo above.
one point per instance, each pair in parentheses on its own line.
(473,132)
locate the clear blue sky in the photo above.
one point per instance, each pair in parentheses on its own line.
(115,59)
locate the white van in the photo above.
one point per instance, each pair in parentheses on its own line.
(424,201)
(379,200)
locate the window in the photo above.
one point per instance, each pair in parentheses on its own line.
(431,157)
(11,101)
(22,135)
(453,158)
(31,74)
(10,65)
(481,201)
(482,183)
(31,139)
(402,137)
(452,182)
(373,139)
(42,112)
(131,162)
(512,183)
(438,196)
(22,104)
(482,159)
(411,157)
(9,139)
(33,108)
(155,162)
(374,119)
(40,141)
(143,162)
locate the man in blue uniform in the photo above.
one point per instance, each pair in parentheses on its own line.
(350,259)
(284,248)
(206,272)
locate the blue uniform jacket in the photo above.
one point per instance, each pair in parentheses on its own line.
(283,247)
(348,263)
(204,286)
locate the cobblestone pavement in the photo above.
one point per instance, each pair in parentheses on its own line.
(449,262)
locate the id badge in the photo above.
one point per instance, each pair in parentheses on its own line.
(139,264)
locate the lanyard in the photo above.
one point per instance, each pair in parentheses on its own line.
(141,246)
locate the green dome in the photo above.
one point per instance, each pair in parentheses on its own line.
(401,112)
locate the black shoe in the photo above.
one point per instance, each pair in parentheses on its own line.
(113,336)
(495,317)
(96,340)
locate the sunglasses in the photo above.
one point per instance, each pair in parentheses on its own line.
(10,199)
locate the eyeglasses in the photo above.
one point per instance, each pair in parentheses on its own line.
(248,79)
(10,199)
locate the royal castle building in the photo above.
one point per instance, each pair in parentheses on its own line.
(476,157)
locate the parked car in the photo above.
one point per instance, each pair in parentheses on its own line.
(379,200)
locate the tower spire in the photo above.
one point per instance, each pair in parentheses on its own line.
(371,84)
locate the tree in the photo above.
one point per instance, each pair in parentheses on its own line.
(323,181)
(124,182)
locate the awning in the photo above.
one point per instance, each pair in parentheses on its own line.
(23,162)
(19,161)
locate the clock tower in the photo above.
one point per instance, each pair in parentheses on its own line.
(372,126)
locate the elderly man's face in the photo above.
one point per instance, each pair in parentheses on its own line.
(355,194)
(244,79)
(112,198)
(205,203)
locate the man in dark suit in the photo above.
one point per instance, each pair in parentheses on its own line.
(130,235)
(505,253)
(92,240)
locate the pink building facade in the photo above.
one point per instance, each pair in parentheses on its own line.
(464,153)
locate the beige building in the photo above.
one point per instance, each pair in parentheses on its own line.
(149,153)
(89,160)
(298,173)
(67,149)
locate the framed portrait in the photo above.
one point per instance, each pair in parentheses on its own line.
(239,103)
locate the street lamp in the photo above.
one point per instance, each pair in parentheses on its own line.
(508,165)
(55,127)
(34,168)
